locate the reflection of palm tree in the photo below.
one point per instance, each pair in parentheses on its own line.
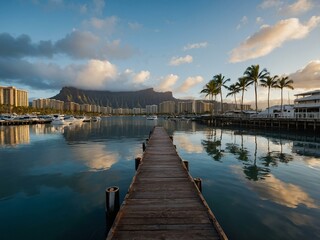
(254,172)
(213,147)
(283,157)
(269,158)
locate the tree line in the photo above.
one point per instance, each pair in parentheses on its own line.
(251,76)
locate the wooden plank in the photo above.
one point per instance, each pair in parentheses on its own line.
(163,201)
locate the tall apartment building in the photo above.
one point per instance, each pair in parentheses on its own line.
(151,109)
(186,107)
(42,103)
(167,107)
(13,97)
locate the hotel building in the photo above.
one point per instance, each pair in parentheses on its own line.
(13,97)
(307,104)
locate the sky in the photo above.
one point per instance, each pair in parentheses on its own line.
(178,46)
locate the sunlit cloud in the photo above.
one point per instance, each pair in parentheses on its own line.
(195,46)
(141,77)
(167,83)
(175,61)
(298,7)
(269,38)
(189,83)
(275,190)
(97,157)
(186,143)
(308,77)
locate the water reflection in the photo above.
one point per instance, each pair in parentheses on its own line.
(258,161)
(14,135)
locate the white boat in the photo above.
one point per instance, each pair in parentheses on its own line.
(95,118)
(73,120)
(152,117)
(59,120)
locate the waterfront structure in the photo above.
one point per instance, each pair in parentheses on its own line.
(48,103)
(168,107)
(307,104)
(186,107)
(275,112)
(13,97)
(151,109)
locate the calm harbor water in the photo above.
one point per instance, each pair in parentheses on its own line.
(260,185)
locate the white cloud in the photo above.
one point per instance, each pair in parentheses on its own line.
(107,24)
(167,83)
(96,74)
(98,6)
(243,21)
(135,25)
(259,20)
(270,3)
(189,83)
(270,37)
(195,45)
(141,77)
(308,77)
(175,61)
(299,7)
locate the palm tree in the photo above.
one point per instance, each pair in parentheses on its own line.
(221,82)
(269,82)
(254,76)
(233,90)
(211,89)
(242,85)
(284,82)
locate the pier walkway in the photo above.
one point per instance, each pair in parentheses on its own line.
(163,201)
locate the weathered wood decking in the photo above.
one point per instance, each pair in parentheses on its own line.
(163,201)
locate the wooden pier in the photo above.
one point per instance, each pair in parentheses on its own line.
(163,201)
(302,124)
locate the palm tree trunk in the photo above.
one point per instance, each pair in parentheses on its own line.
(242,101)
(268,101)
(235,100)
(281,100)
(255,90)
(221,104)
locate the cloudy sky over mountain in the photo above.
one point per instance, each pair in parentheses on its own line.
(168,45)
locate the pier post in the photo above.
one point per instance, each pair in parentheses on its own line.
(186,165)
(112,205)
(137,162)
(198,182)
(143,147)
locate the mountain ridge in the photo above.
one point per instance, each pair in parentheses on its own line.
(121,99)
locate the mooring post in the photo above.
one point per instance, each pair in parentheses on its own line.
(198,182)
(112,205)
(171,137)
(186,165)
(143,147)
(137,162)
(147,140)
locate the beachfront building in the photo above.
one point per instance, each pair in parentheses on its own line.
(151,109)
(43,103)
(186,107)
(307,104)
(13,97)
(275,112)
(168,107)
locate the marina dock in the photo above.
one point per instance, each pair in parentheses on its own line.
(163,201)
